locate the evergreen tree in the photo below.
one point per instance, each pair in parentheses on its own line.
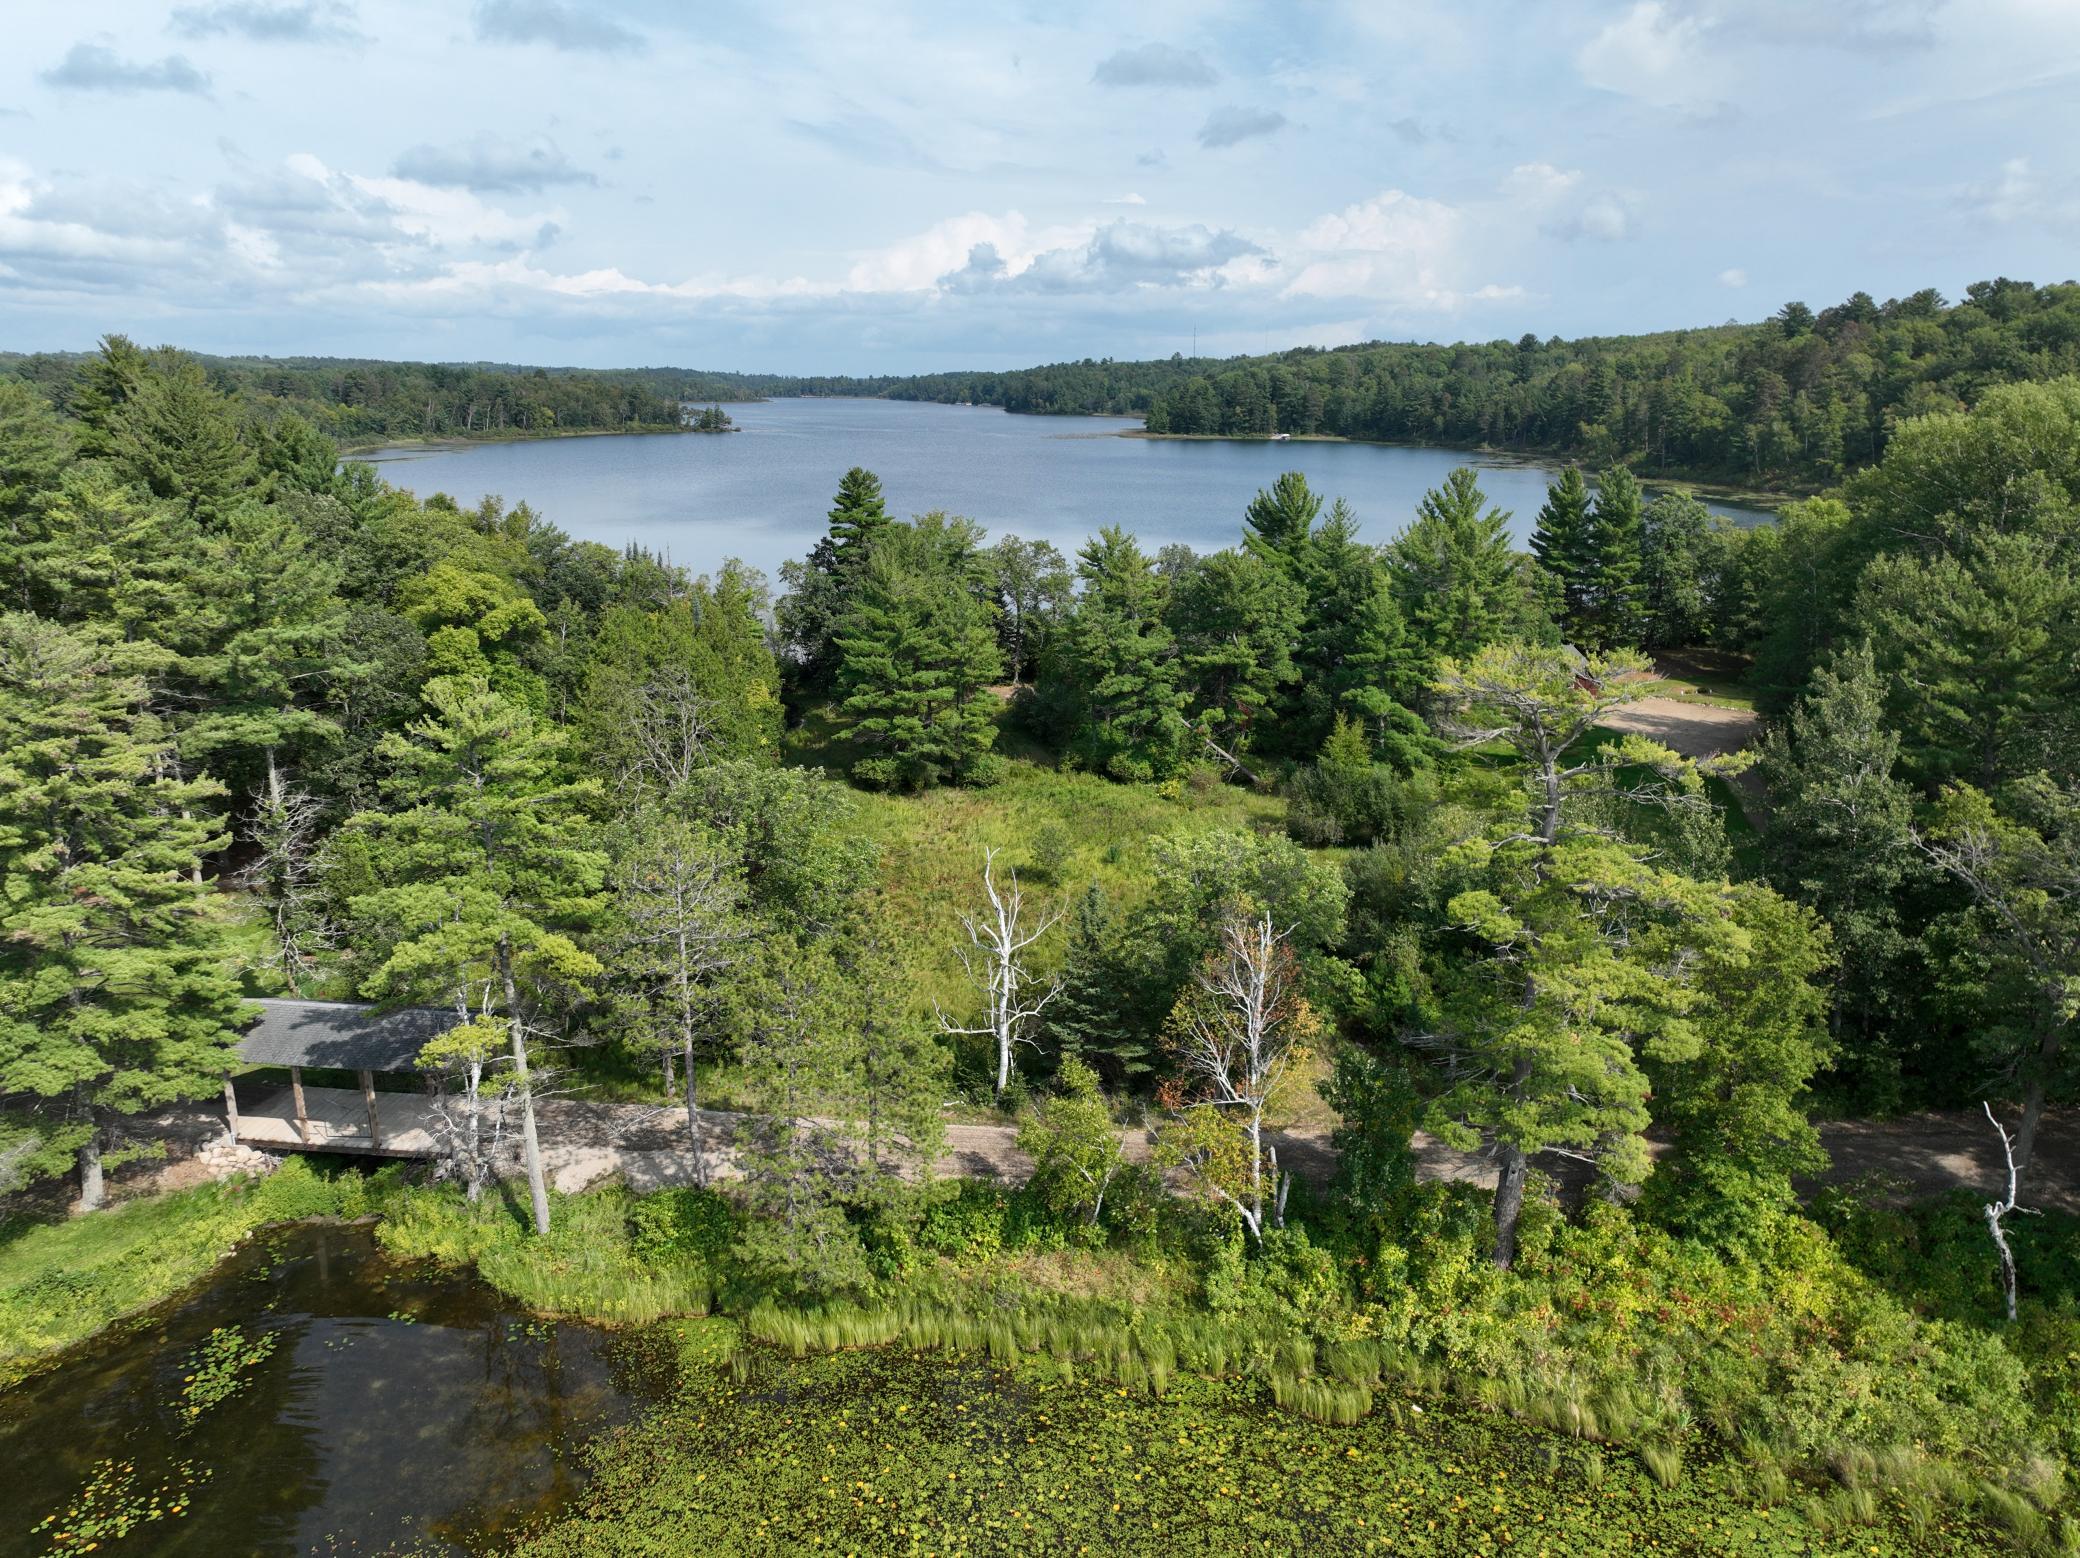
(1838,843)
(1455,573)
(1545,1034)
(1088,1017)
(114,993)
(1279,523)
(482,873)
(1564,544)
(798,1049)
(101,389)
(918,654)
(1234,619)
(1355,656)
(858,516)
(258,680)
(35,448)
(180,437)
(1121,663)
(1618,615)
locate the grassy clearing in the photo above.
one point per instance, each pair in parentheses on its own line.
(62,1282)
(1061,830)
(1705,675)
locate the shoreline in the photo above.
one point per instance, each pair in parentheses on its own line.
(1727,492)
(435,442)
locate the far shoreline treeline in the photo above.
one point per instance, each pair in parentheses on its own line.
(1790,404)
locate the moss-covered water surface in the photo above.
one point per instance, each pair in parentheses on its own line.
(891,1451)
(313,1394)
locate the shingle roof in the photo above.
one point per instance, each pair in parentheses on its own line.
(342,1035)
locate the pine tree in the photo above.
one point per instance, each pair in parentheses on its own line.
(35,447)
(1279,523)
(1089,1017)
(858,516)
(180,437)
(917,656)
(271,649)
(1235,618)
(1837,842)
(101,389)
(1545,1035)
(482,873)
(114,994)
(1121,661)
(1355,657)
(1565,547)
(1617,594)
(1456,573)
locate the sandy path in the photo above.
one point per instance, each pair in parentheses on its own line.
(1922,1155)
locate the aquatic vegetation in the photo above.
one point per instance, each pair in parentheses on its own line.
(901,1449)
(114,1502)
(219,1367)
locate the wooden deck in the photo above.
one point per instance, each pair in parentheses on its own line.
(336,1120)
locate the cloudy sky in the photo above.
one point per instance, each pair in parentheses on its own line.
(894,187)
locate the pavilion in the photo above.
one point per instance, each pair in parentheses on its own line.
(335,1036)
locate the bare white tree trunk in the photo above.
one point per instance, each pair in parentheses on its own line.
(93,1185)
(523,1084)
(1996,1211)
(994,959)
(1237,1042)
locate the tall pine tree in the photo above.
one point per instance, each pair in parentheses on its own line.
(1565,548)
(1456,574)
(1122,664)
(480,875)
(1617,593)
(917,656)
(114,990)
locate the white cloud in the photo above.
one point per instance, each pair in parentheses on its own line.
(1127,200)
(1652,54)
(1539,183)
(2014,193)
(1395,248)
(1733,276)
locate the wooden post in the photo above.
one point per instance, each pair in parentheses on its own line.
(368,1097)
(303,1119)
(230,1107)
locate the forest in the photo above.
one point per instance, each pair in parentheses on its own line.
(1194,851)
(1793,403)
(358,402)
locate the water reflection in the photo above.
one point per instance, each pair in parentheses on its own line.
(400,1404)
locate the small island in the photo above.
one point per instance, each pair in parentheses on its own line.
(709,419)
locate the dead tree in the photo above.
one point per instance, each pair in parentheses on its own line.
(673,729)
(994,960)
(1236,1034)
(1997,1211)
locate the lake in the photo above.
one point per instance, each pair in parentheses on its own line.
(762,494)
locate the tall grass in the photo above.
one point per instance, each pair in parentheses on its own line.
(585,1266)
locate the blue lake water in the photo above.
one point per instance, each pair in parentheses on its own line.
(762,494)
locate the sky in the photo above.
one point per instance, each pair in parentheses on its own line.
(894,188)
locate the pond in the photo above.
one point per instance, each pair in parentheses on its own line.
(762,494)
(315,1395)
